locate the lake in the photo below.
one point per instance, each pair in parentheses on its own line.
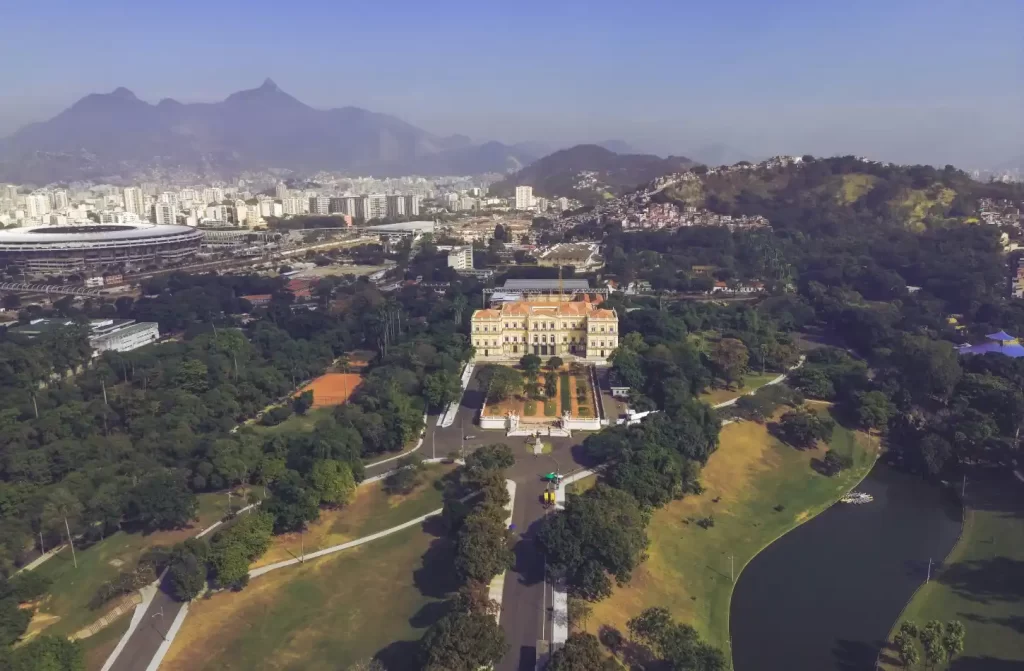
(825,595)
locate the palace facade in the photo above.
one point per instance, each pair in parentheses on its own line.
(571,329)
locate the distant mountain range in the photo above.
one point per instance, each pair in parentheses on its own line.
(588,172)
(116,135)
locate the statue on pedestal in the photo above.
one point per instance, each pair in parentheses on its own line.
(513,421)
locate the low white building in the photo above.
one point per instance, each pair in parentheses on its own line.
(461,258)
(121,335)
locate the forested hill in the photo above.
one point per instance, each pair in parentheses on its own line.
(834,193)
(588,172)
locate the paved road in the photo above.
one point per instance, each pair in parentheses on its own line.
(142,646)
(526,601)
(525,614)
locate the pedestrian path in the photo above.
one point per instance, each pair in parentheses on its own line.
(448,418)
(496,590)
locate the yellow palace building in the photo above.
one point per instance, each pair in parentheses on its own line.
(569,325)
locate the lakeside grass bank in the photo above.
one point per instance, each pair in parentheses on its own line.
(756,490)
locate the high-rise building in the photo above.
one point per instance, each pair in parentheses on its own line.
(343,205)
(58,199)
(119,218)
(37,205)
(281,191)
(412,206)
(396,206)
(188,196)
(169,197)
(135,201)
(213,195)
(373,206)
(451,201)
(524,197)
(165,214)
(9,191)
(319,205)
(293,205)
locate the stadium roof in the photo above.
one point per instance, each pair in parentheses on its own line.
(403,227)
(546,285)
(89,233)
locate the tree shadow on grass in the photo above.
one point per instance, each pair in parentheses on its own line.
(888,656)
(435,578)
(986,580)
(818,466)
(400,656)
(429,614)
(434,526)
(984,664)
(1015,622)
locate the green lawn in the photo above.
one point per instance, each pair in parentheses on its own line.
(371,510)
(296,423)
(751,381)
(530,408)
(323,615)
(981,583)
(65,610)
(751,473)
(566,394)
(550,408)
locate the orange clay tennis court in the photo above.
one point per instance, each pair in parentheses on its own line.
(333,388)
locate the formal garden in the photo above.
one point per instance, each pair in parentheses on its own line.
(540,391)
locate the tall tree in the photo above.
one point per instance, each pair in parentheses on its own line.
(730,357)
(462,641)
(581,652)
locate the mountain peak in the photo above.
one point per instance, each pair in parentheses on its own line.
(268,85)
(123,93)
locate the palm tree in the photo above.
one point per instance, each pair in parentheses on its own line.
(459,304)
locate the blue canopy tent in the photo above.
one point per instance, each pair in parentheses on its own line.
(1000,343)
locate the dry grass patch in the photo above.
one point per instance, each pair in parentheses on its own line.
(323,615)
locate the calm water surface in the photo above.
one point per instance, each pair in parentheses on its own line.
(824,595)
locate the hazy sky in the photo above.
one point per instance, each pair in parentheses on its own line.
(906,80)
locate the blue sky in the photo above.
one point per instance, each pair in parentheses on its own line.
(907,80)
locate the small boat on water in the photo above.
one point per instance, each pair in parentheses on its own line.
(857,498)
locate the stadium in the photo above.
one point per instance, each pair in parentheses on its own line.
(42,249)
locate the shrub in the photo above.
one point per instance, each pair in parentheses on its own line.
(706,522)
(275,416)
(584,411)
(26,586)
(834,463)
(402,481)
(186,574)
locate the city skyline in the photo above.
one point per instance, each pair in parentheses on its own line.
(873,80)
